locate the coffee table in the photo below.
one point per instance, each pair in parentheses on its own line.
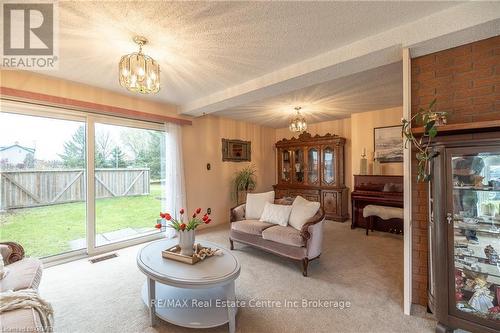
(196,296)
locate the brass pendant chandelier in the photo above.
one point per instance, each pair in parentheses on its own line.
(139,72)
(298,122)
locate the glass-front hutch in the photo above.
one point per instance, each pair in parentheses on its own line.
(465,235)
(313,167)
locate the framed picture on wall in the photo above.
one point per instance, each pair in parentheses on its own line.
(236,150)
(388,144)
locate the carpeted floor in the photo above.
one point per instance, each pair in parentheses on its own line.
(366,271)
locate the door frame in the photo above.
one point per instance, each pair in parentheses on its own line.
(407,263)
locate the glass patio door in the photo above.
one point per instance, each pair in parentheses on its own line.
(127,174)
(42,183)
(73,183)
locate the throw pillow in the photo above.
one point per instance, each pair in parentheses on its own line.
(256,203)
(276,214)
(302,210)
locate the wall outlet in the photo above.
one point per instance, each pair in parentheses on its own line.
(209,211)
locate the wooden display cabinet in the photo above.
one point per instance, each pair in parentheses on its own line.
(313,167)
(464,233)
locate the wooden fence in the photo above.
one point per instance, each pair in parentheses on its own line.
(30,188)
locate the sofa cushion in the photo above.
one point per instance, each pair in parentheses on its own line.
(253,227)
(23,274)
(20,320)
(302,210)
(255,204)
(284,235)
(276,214)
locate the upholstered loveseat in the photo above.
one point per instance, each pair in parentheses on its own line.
(303,245)
(23,273)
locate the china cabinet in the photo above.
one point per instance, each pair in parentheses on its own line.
(313,167)
(464,233)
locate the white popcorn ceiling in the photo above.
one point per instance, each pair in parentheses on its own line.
(376,89)
(206,47)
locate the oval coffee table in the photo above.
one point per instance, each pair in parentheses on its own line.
(197,296)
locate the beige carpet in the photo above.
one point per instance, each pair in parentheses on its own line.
(367,271)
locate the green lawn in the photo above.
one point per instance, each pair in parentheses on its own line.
(47,230)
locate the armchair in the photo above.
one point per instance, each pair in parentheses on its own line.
(24,273)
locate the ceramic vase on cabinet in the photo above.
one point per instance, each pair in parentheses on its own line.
(186,242)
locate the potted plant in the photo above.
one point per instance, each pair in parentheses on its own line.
(244,182)
(184,228)
(430,120)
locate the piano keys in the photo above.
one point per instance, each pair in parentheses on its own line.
(376,190)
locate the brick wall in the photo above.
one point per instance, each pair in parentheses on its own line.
(466,82)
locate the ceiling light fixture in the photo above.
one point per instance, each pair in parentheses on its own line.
(139,72)
(298,122)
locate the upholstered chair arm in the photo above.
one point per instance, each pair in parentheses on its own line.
(315,242)
(237,213)
(318,217)
(16,252)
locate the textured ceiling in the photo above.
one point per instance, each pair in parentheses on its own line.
(204,47)
(376,89)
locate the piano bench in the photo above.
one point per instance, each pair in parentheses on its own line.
(382,212)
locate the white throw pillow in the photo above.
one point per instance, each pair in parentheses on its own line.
(302,210)
(256,203)
(276,214)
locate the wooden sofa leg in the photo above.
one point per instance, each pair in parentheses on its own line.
(231,244)
(305,263)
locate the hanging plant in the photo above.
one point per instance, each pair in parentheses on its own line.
(430,120)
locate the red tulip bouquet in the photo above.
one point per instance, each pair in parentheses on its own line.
(180,224)
(184,228)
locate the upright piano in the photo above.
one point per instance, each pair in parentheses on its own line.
(376,190)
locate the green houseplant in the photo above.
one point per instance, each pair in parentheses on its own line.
(244,182)
(428,118)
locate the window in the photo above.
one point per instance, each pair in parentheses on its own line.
(48,157)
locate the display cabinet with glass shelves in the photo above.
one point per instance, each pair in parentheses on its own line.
(464,233)
(313,167)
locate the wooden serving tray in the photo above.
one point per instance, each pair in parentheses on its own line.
(174,253)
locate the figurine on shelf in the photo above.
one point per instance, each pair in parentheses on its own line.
(459,284)
(488,208)
(478,181)
(494,183)
(465,171)
(495,312)
(481,300)
(491,254)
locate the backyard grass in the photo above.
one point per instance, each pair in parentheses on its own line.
(45,231)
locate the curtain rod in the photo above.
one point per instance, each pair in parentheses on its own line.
(74,104)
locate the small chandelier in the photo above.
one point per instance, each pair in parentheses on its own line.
(139,72)
(298,123)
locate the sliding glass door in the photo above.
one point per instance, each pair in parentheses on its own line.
(127,175)
(42,183)
(75,183)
